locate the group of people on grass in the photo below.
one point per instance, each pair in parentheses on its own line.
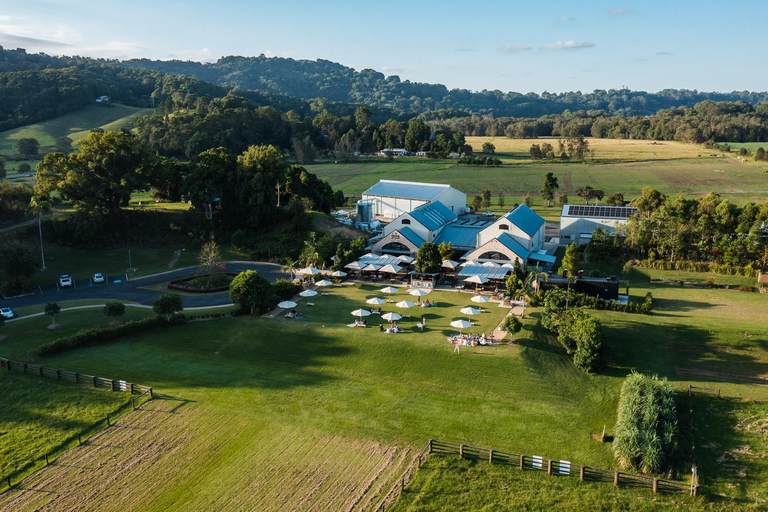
(469,340)
(293,314)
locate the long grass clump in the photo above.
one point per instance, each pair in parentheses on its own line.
(646,428)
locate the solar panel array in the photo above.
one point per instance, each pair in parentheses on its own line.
(606,212)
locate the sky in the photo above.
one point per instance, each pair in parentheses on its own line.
(531,46)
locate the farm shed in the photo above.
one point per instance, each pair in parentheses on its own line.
(578,222)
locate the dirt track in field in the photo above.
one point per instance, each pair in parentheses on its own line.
(172,455)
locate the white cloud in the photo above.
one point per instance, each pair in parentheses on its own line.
(465,50)
(203,55)
(664,54)
(619,11)
(514,48)
(567,45)
(566,18)
(391,70)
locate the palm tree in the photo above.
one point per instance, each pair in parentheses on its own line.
(289,267)
(40,205)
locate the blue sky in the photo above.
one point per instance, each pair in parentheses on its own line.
(507,45)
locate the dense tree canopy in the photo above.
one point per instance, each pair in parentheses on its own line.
(101,177)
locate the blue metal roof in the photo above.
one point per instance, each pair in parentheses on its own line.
(433,215)
(513,245)
(460,235)
(526,219)
(406,189)
(410,236)
(546,258)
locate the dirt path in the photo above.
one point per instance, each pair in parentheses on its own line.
(176,255)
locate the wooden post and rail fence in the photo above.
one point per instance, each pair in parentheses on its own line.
(141,392)
(536,463)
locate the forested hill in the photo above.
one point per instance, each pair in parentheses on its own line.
(36,87)
(322,78)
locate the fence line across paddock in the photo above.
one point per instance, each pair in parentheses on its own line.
(142,395)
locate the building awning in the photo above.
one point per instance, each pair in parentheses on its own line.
(487,272)
(545,258)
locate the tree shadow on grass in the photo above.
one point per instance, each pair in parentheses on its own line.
(680,353)
(662,307)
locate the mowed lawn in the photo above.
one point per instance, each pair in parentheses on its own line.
(690,177)
(246,380)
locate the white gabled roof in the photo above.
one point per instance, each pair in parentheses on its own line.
(407,190)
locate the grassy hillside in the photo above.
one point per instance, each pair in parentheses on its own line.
(272,397)
(75,125)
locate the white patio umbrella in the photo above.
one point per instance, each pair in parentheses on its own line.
(389,290)
(361,313)
(418,292)
(308,293)
(471,262)
(405,258)
(470,311)
(478,280)
(287,304)
(371,268)
(480,299)
(405,304)
(375,301)
(338,273)
(460,324)
(311,271)
(355,265)
(392,317)
(390,269)
(323,283)
(450,264)
(490,264)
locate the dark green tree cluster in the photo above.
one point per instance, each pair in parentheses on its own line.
(646,426)
(707,229)
(578,331)
(722,120)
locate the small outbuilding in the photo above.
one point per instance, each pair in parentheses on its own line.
(577,222)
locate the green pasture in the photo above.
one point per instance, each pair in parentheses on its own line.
(690,177)
(605,150)
(39,414)
(316,377)
(75,125)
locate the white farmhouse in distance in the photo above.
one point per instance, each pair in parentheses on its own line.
(577,222)
(390,198)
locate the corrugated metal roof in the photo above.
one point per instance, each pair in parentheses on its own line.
(546,258)
(489,272)
(513,245)
(433,215)
(526,219)
(411,236)
(406,189)
(460,235)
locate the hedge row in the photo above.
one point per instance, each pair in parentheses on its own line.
(605,305)
(697,266)
(98,335)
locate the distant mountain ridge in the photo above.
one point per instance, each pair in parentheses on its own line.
(336,82)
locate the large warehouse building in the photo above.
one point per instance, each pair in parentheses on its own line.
(389,198)
(578,222)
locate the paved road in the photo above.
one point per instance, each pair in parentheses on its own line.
(132,291)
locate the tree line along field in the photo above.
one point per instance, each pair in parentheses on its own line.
(691,177)
(261,400)
(517,150)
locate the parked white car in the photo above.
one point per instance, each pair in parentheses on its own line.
(6,312)
(98,277)
(65,281)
